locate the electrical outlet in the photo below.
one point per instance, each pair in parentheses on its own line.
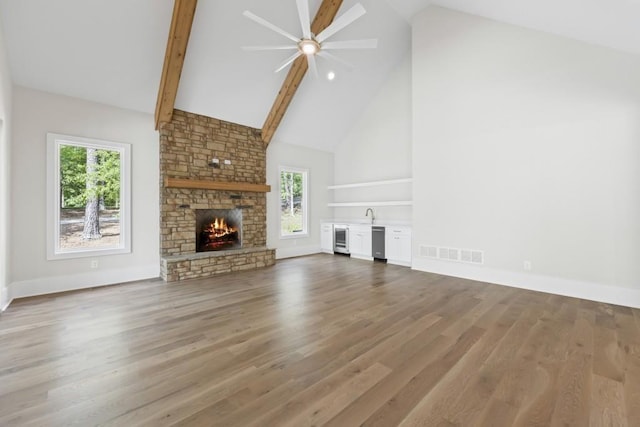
(527,266)
(94,263)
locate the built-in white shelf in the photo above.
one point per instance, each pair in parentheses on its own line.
(371,184)
(369,204)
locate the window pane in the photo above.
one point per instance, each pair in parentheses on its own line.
(292,203)
(89,198)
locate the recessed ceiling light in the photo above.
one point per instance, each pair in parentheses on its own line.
(331,75)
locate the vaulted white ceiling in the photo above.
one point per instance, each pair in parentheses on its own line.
(111,51)
(610,23)
(221,80)
(108,51)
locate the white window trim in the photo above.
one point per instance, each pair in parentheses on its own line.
(54,252)
(305,203)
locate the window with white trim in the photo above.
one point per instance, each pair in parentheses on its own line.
(294,215)
(88,197)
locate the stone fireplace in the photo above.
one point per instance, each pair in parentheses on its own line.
(195,191)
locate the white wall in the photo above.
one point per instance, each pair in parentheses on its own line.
(527,146)
(378,147)
(5,154)
(36,113)
(320,167)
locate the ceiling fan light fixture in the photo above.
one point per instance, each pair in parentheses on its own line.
(309,47)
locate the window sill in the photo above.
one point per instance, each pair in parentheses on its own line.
(86,253)
(294,236)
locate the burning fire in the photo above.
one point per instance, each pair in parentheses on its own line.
(219,228)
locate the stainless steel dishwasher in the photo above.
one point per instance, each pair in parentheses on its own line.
(377,243)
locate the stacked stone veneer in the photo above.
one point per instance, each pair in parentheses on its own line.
(187,145)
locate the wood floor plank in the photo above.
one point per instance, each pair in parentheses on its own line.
(318,340)
(628,333)
(325,408)
(407,364)
(607,356)
(396,409)
(474,390)
(337,366)
(572,407)
(496,413)
(438,404)
(607,403)
(531,383)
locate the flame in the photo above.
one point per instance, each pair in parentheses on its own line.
(219,228)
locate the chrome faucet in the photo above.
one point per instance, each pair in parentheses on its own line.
(373,217)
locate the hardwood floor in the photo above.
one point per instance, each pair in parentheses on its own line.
(320,340)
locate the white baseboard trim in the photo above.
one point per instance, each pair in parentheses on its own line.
(362,257)
(396,262)
(9,299)
(282,253)
(554,285)
(72,282)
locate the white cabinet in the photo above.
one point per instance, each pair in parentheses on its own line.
(397,241)
(398,245)
(360,241)
(326,237)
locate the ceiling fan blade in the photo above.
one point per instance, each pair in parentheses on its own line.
(332,57)
(269,25)
(281,47)
(311,59)
(351,44)
(305,23)
(288,61)
(342,21)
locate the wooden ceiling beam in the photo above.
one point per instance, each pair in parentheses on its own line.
(326,13)
(181,21)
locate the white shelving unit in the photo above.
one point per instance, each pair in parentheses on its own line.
(371,184)
(369,204)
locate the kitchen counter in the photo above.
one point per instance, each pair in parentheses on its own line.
(381,223)
(398,248)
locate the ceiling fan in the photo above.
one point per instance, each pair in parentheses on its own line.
(312,45)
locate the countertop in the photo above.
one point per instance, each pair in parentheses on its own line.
(356,221)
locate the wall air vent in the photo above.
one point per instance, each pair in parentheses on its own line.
(471,256)
(477,257)
(428,251)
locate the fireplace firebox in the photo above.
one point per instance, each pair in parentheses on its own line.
(218,229)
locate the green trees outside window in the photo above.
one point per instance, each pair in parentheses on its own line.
(293,206)
(90,180)
(89,196)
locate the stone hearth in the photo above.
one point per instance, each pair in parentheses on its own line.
(187,145)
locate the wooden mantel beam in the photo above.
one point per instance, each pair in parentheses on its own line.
(183,12)
(327,11)
(215,185)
